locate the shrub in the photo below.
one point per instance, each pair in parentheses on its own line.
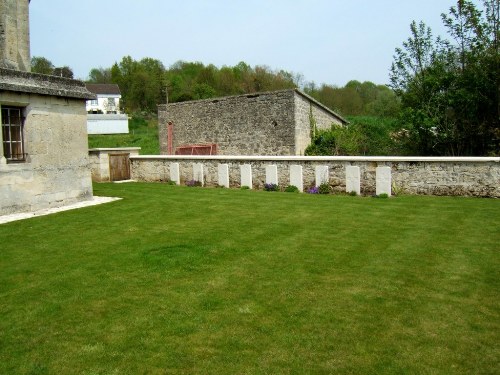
(353,193)
(244,187)
(291,189)
(324,188)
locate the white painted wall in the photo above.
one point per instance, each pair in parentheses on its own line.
(107,124)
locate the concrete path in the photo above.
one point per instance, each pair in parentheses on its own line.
(26,215)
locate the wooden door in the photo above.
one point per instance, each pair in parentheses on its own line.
(119,167)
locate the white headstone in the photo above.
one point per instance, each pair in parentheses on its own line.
(352,179)
(223,173)
(174,173)
(246,175)
(271,174)
(198,173)
(321,174)
(383,183)
(296,177)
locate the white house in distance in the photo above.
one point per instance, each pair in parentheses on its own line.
(108,98)
(104,116)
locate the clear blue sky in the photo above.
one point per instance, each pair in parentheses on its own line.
(327,41)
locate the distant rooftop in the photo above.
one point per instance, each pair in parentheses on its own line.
(103,88)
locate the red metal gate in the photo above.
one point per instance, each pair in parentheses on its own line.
(198,149)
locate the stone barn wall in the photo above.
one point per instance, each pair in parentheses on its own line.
(273,123)
(307,110)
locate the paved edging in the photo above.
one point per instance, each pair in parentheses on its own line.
(26,215)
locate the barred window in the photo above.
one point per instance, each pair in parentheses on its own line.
(12,133)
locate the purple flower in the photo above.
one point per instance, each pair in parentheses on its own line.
(313,190)
(271,187)
(192,183)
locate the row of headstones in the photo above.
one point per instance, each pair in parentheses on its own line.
(352,173)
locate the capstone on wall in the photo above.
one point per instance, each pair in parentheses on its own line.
(56,171)
(420,176)
(14,35)
(272,123)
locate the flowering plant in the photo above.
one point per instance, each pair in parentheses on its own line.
(193,183)
(313,190)
(271,187)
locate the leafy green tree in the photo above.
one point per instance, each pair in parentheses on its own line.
(100,75)
(364,135)
(356,98)
(146,83)
(63,71)
(385,105)
(142,83)
(41,65)
(449,88)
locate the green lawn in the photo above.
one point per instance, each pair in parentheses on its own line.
(142,133)
(214,281)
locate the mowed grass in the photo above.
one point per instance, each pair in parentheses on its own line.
(142,133)
(184,280)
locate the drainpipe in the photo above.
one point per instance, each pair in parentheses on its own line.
(170,136)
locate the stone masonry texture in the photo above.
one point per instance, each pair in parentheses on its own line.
(14,35)
(272,123)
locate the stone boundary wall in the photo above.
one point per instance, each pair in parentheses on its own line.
(467,176)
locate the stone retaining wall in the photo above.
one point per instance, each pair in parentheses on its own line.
(410,175)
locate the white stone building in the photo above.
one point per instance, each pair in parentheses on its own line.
(107,101)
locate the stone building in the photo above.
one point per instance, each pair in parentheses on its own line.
(43,159)
(269,123)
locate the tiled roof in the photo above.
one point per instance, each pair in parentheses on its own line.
(103,88)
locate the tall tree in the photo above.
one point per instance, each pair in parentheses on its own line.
(41,65)
(63,71)
(449,88)
(100,75)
